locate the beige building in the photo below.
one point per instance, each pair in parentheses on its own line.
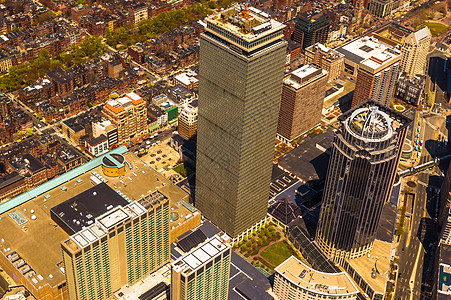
(203,272)
(301,102)
(188,120)
(414,51)
(294,280)
(376,77)
(128,114)
(31,236)
(328,59)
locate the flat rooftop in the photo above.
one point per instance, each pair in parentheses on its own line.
(198,256)
(444,269)
(81,210)
(362,48)
(246,23)
(310,159)
(318,282)
(379,256)
(303,76)
(38,240)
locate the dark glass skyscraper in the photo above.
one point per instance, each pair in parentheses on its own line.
(242,57)
(311,27)
(362,169)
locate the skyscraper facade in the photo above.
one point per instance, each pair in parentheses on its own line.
(120,247)
(361,172)
(301,104)
(311,27)
(414,51)
(203,272)
(376,77)
(242,57)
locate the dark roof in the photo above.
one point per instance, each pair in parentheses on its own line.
(9,179)
(309,161)
(154,292)
(191,240)
(27,161)
(209,229)
(73,124)
(302,241)
(94,141)
(81,210)
(252,291)
(284,211)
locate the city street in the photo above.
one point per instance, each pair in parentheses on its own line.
(416,248)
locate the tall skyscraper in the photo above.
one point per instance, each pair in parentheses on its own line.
(414,51)
(311,27)
(376,77)
(302,101)
(203,272)
(118,248)
(360,176)
(242,56)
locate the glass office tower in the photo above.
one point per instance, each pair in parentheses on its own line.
(361,172)
(242,57)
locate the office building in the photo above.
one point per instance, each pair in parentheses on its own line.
(327,58)
(301,104)
(380,8)
(311,27)
(203,272)
(414,50)
(361,172)
(188,120)
(242,57)
(361,49)
(376,77)
(97,191)
(128,115)
(295,280)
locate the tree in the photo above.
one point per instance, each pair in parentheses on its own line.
(39,116)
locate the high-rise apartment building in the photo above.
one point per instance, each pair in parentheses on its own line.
(242,56)
(311,27)
(361,172)
(414,51)
(203,272)
(188,120)
(327,58)
(302,101)
(376,77)
(118,248)
(128,114)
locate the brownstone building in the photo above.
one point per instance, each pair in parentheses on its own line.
(326,58)
(301,102)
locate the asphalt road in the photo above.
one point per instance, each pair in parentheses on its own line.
(417,245)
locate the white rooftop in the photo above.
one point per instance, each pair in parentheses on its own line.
(187,78)
(133,96)
(422,33)
(202,254)
(362,48)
